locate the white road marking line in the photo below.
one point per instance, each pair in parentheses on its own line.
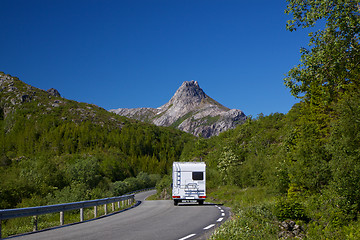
(221,210)
(223,214)
(208,227)
(216,205)
(188,236)
(220,219)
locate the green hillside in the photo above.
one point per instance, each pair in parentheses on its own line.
(302,166)
(57,150)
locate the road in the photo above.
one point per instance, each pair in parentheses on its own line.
(151,220)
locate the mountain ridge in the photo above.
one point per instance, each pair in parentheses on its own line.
(15,95)
(190,110)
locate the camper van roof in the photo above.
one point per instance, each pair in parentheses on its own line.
(189,166)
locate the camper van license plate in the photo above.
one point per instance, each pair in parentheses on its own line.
(188,201)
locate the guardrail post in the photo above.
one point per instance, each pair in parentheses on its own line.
(118,204)
(95,211)
(61,218)
(105,208)
(113,207)
(35,220)
(81,214)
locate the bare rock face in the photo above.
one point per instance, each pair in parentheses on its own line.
(143,114)
(290,230)
(54,92)
(190,110)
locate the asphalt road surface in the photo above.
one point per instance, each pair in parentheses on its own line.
(151,220)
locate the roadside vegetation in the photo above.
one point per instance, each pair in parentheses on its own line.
(252,213)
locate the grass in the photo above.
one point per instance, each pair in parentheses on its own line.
(233,196)
(153,197)
(252,213)
(180,120)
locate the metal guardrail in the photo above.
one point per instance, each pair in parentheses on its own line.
(34,211)
(61,208)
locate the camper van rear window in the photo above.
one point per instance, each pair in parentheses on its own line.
(198,176)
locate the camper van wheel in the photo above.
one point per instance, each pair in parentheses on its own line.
(201,202)
(175,202)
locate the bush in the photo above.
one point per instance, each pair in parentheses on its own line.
(119,188)
(290,210)
(75,192)
(163,187)
(142,181)
(154,179)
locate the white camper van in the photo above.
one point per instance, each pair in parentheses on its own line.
(189,182)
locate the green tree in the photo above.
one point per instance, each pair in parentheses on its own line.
(227,162)
(345,148)
(330,65)
(86,171)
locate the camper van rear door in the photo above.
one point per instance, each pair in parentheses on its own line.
(198,176)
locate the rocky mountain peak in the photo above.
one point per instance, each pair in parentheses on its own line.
(190,89)
(188,94)
(190,110)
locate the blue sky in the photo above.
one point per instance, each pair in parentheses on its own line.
(136,53)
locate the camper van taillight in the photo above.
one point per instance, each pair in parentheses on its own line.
(176,196)
(202,196)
